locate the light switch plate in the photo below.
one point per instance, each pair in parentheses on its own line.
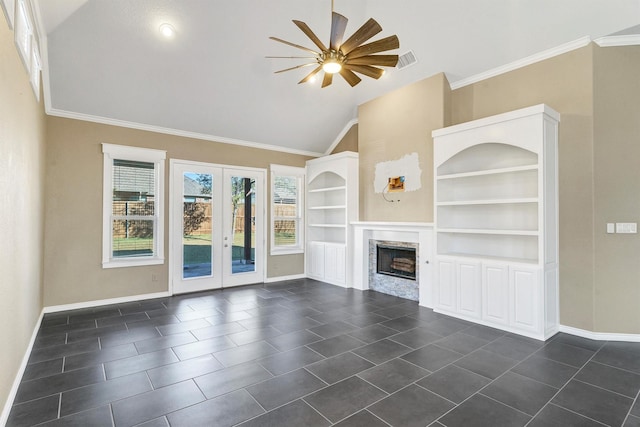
(611,228)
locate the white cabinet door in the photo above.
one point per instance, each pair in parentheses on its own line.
(468,288)
(524,290)
(445,289)
(330,263)
(327,262)
(316,260)
(341,264)
(495,293)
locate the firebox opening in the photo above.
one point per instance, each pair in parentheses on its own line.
(396,261)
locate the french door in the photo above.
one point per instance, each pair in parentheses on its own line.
(217,216)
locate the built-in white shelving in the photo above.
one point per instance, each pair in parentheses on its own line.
(496,221)
(332,203)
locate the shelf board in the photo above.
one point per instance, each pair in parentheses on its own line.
(489,258)
(314,208)
(488,172)
(488,231)
(489,202)
(322,190)
(328,225)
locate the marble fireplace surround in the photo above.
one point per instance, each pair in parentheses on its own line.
(420,233)
(400,286)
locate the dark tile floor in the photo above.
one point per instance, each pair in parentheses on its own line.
(303,353)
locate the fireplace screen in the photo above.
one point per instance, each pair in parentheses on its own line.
(396,261)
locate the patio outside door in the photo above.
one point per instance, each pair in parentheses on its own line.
(217,226)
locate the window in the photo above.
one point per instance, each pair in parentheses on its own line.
(133,206)
(287,204)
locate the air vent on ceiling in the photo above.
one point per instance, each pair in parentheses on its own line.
(406,60)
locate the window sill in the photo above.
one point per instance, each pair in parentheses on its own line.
(132,262)
(287,251)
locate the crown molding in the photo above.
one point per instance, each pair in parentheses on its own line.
(341,135)
(176,132)
(622,40)
(540,56)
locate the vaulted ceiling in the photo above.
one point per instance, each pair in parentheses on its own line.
(105,60)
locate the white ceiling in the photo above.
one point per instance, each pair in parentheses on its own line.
(105,60)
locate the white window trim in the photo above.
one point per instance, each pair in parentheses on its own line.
(121,152)
(9,8)
(280,170)
(23,33)
(36,67)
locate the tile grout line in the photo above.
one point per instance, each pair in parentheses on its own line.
(491,381)
(566,382)
(635,402)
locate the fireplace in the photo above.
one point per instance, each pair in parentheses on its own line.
(393,268)
(396,261)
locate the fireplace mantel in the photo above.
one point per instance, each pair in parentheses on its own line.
(414,232)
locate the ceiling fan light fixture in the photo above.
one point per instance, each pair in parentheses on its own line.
(332,61)
(331,66)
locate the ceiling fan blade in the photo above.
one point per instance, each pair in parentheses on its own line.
(328,78)
(295,45)
(381,45)
(305,29)
(350,77)
(367,70)
(364,33)
(338,25)
(382,60)
(311,75)
(296,67)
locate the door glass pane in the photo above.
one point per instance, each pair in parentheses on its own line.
(243,198)
(197,225)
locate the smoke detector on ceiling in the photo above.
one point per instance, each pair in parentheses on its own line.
(406,60)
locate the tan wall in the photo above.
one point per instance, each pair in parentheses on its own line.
(617,188)
(22,151)
(392,126)
(349,142)
(73,243)
(565,83)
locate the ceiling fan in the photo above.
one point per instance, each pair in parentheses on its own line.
(345,57)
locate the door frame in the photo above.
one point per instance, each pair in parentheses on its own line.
(170,205)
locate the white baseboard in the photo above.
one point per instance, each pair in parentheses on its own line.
(283,278)
(599,336)
(4,416)
(97,303)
